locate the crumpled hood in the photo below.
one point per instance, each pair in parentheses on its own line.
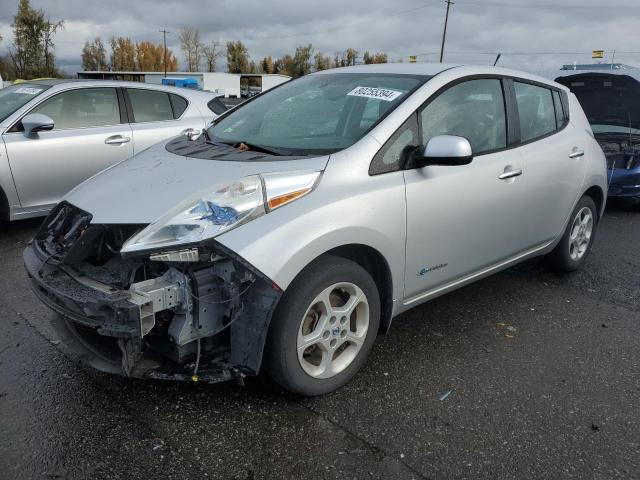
(142,188)
(607,99)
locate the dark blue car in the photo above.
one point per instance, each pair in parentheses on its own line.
(610,97)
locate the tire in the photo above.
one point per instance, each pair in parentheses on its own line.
(575,245)
(337,341)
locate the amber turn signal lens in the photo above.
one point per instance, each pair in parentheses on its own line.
(284,199)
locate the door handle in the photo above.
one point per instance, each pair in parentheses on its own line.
(576,153)
(117,140)
(507,174)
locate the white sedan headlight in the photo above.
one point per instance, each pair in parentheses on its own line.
(210,213)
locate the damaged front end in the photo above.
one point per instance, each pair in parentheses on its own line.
(199,313)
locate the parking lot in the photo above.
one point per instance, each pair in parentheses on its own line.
(523,375)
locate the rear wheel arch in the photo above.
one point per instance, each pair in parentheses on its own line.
(4,206)
(597,195)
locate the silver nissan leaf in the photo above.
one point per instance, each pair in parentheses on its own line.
(291,232)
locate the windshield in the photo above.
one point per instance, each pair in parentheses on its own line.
(316,114)
(15,96)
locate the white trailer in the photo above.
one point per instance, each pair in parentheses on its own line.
(238,85)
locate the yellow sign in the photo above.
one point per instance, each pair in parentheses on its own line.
(597,54)
(413,58)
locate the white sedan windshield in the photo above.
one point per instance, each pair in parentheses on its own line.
(316,114)
(15,96)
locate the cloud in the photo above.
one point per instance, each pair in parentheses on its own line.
(399,28)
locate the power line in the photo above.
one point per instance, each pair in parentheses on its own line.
(558,6)
(515,54)
(344,26)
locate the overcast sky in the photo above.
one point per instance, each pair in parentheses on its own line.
(401,28)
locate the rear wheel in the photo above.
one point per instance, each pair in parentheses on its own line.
(578,237)
(324,327)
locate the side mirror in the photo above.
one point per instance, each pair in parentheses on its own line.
(36,122)
(448,150)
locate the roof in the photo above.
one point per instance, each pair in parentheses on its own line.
(121,83)
(187,74)
(432,69)
(429,69)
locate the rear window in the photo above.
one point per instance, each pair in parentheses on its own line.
(216,106)
(179,105)
(536,111)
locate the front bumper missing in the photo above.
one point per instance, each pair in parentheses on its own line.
(195,322)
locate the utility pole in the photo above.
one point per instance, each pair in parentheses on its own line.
(444,33)
(164,37)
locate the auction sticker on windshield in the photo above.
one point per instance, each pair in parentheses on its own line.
(28,90)
(378,93)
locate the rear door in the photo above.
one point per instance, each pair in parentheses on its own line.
(463,219)
(157,115)
(554,160)
(89,135)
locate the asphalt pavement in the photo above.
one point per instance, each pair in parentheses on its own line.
(526,374)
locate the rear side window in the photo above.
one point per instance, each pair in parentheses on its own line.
(179,105)
(150,105)
(474,109)
(536,111)
(82,108)
(216,106)
(560,115)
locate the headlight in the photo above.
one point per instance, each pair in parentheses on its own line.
(212,212)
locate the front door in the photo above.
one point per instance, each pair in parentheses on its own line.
(87,137)
(463,219)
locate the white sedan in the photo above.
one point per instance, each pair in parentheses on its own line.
(57,133)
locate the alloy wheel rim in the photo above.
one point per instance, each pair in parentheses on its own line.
(581,232)
(332,330)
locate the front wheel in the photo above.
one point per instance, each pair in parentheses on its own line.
(324,327)
(578,237)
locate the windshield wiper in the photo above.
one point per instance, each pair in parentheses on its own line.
(253,147)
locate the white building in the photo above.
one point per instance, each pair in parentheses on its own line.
(230,84)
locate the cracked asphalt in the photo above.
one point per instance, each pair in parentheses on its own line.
(526,374)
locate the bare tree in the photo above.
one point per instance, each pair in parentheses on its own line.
(192,47)
(211,54)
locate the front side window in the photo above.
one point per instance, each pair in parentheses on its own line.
(474,109)
(150,105)
(316,114)
(391,155)
(82,108)
(16,96)
(535,109)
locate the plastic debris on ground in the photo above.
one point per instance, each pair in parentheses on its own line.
(445,395)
